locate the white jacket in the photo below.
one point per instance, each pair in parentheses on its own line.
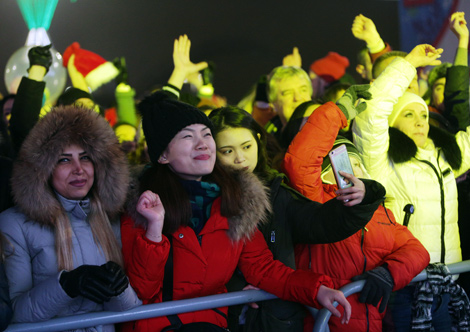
(431,189)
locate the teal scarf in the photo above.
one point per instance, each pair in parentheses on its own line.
(201,195)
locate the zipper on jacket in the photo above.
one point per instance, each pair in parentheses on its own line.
(273,236)
(443,208)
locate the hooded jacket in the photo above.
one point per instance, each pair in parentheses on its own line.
(381,242)
(31,261)
(424,177)
(203,264)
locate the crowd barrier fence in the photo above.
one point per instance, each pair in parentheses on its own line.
(98,319)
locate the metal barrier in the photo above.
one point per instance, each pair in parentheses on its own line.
(208,302)
(142,312)
(321,320)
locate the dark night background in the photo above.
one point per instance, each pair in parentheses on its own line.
(244,38)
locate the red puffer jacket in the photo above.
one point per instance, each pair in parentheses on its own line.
(202,269)
(382,241)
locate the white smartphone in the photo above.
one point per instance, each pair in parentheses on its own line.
(340,162)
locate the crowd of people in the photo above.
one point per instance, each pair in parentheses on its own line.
(179,195)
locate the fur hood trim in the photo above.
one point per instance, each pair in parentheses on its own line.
(402,148)
(64,126)
(256,206)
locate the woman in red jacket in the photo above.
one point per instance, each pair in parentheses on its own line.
(207,217)
(384,252)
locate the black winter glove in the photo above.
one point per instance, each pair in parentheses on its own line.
(41,56)
(347,102)
(261,94)
(96,283)
(120,64)
(379,285)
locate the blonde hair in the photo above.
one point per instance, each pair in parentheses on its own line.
(102,233)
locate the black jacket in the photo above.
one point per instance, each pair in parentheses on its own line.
(297,220)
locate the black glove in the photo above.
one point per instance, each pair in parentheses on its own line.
(379,285)
(208,73)
(41,56)
(120,64)
(347,102)
(96,283)
(261,94)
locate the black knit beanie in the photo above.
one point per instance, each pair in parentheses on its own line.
(71,95)
(164,117)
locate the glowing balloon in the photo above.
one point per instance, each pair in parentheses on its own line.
(17,67)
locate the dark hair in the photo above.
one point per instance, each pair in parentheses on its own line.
(164,182)
(293,125)
(234,117)
(377,67)
(331,92)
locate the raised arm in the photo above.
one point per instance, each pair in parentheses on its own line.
(146,250)
(456,89)
(303,161)
(293,60)
(363,28)
(370,128)
(183,66)
(28,100)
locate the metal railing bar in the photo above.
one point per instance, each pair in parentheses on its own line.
(321,320)
(143,312)
(196,304)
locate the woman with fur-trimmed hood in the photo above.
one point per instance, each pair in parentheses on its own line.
(69,183)
(416,162)
(208,216)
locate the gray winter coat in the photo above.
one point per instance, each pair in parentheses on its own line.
(31,261)
(32,270)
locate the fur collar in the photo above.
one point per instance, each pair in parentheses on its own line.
(256,205)
(40,152)
(402,148)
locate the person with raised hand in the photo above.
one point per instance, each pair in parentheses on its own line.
(417,163)
(363,28)
(448,84)
(29,96)
(383,253)
(241,144)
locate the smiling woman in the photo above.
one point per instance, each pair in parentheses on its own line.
(69,183)
(191,154)
(74,174)
(189,211)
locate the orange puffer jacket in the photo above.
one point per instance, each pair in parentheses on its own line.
(382,241)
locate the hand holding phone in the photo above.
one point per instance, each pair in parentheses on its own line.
(340,162)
